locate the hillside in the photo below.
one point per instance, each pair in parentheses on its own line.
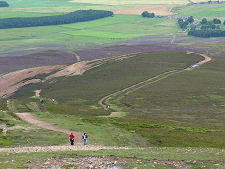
(148,91)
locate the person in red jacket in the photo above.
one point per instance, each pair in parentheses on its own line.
(71,139)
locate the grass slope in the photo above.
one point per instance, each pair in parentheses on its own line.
(77,97)
(27,135)
(101,34)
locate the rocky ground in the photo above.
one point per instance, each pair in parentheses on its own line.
(80,163)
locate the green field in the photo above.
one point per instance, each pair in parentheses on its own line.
(42,3)
(80,35)
(102,22)
(205,10)
(21,14)
(139,2)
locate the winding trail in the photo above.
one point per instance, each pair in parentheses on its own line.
(30,118)
(101,101)
(152,80)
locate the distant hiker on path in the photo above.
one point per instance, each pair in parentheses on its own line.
(84,137)
(71,139)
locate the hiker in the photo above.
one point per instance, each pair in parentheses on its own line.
(42,101)
(71,139)
(84,137)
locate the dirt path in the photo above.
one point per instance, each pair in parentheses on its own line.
(77,57)
(101,101)
(76,147)
(173,38)
(153,79)
(207,59)
(30,118)
(75,69)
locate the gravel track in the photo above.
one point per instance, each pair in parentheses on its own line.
(76,147)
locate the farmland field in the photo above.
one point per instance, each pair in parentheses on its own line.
(42,3)
(117,2)
(21,14)
(205,10)
(69,37)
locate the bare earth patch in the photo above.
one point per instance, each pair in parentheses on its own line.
(11,82)
(71,70)
(80,162)
(162,10)
(37,93)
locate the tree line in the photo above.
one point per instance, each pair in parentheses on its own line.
(73,17)
(204,28)
(207,33)
(4,4)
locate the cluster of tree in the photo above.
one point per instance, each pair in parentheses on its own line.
(206,25)
(73,17)
(207,29)
(148,15)
(215,21)
(207,33)
(4,4)
(183,23)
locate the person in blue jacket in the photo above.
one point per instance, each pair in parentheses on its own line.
(84,138)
